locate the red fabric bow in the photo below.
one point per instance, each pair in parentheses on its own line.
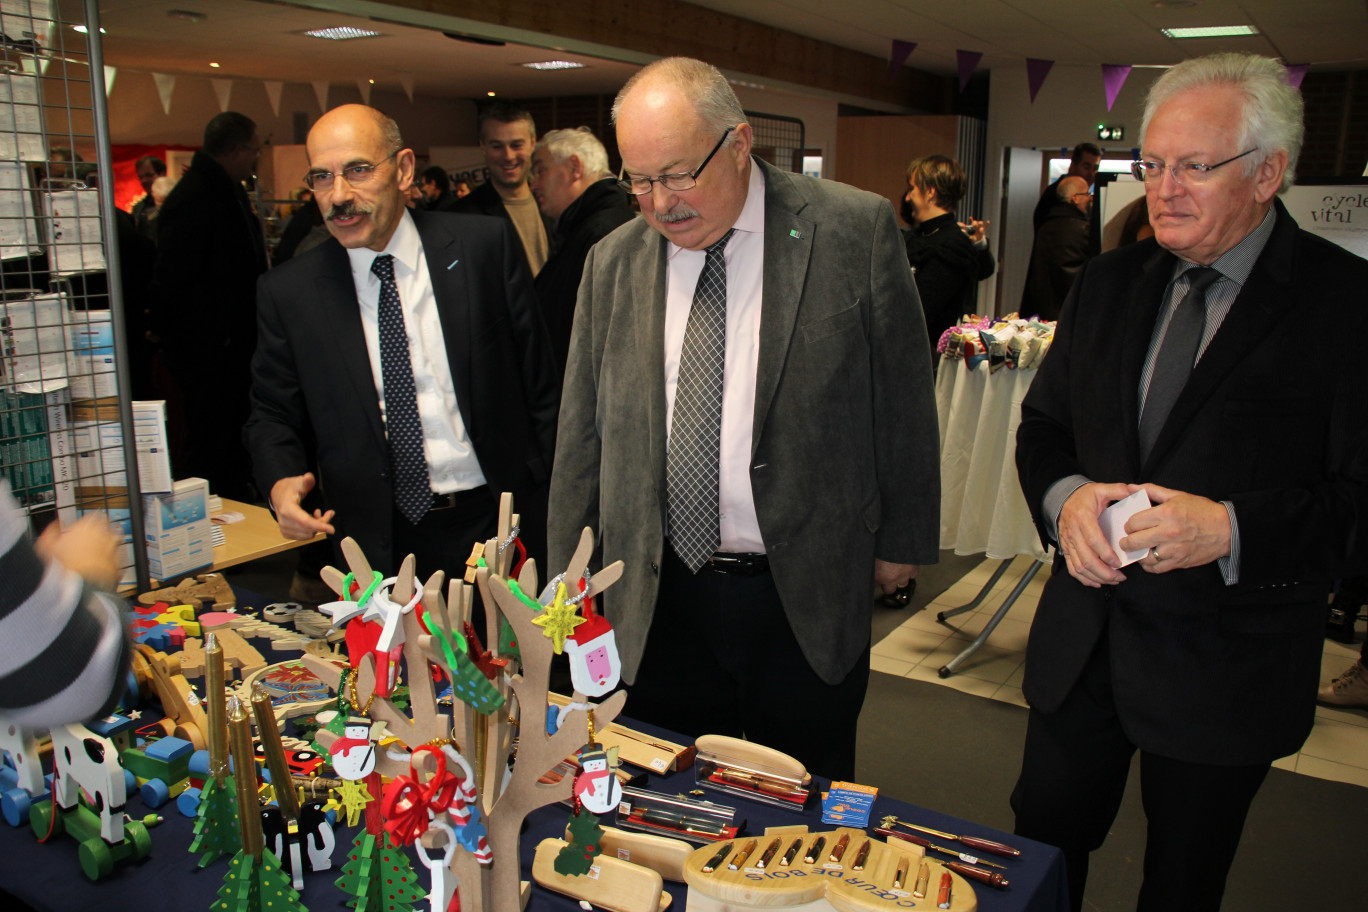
(409,804)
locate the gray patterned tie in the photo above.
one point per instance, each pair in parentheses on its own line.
(1177,354)
(696,429)
(412,489)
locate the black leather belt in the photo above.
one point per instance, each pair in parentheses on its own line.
(469,497)
(742,564)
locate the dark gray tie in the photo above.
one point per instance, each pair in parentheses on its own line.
(1177,355)
(696,428)
(412,489)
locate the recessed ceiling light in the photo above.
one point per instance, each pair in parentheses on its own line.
(553,65)
(490,94)
(341,33)
(371,81)
(1211,31)
(83,30)
(214,65)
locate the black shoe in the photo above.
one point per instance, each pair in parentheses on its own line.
(901,597)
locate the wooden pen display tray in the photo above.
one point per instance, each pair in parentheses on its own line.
(822,885)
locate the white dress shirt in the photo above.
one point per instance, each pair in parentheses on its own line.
(745,256)
(452,465)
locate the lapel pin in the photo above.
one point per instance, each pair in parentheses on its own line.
(453,263)
(795,233)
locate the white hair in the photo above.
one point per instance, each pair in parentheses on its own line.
(580,142)
(1271,117)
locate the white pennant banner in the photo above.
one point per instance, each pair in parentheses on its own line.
(365,87)
(406,80)
(223,88)
(110,73)
(273,88)
(166,83)
(321,90)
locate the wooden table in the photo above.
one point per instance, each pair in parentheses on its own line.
(257,535)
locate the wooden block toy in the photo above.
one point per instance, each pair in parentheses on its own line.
(21,773)
(209,588)
(162,769)
(848,872)
(118,729)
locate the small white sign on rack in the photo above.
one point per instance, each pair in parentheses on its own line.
(75,242)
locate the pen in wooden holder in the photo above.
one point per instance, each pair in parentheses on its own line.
(218,720)
(249,811)
(274,749)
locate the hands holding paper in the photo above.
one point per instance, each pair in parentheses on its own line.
(1180,530)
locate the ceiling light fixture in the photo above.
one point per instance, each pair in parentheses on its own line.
(490,94)
(553,65)
(83,30)
(341,33)
(1211,31)
(213,64)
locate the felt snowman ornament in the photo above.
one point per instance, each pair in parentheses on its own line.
(596,787)
(594,665)
(353,754)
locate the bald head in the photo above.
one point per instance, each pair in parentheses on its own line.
(365,209)
(680,117)
(1074,190)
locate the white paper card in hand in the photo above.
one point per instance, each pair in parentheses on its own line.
(1113,524)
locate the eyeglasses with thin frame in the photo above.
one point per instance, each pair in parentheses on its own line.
(355,174)
(1182,172)
(679,180)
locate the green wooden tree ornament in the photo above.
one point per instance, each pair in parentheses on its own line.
(586,837)
(379,877)
(216,821)
(256,886)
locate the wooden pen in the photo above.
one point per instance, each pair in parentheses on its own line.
(741,856)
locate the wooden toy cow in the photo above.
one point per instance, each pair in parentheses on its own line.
(83,760)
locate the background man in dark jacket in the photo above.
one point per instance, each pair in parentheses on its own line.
(574,188)
(1060,250)
(210,251)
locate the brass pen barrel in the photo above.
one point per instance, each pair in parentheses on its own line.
(923,878)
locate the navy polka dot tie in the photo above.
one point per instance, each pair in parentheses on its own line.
(412,489)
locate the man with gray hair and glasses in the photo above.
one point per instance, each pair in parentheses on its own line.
(748,423)
(575,190)
(1197,640)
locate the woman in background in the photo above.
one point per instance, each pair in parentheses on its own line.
(945,262)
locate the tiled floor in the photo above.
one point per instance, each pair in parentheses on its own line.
(1337,748)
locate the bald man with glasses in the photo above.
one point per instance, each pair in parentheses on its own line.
(403,378)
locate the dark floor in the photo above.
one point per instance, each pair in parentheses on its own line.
(1304,845)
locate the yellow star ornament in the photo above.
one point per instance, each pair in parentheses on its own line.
(355,796)
(558,620)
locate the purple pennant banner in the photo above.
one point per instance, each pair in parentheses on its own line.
(968,62)
(1036,71)
(901,51)
(1296,73)
(1114,77)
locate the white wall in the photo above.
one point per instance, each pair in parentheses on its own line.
(817,114)
(1066,111)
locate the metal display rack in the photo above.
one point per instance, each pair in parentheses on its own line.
(66,416)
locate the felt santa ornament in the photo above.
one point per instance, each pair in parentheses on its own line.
(594,665)
(353,754)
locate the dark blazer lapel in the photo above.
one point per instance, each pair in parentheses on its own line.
(646,272)
(451,287)
(1253,315)
(339,316)
(788,247)
(1146,298)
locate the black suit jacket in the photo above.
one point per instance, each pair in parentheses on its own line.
(485,200)
(1060,250)
(314,404)
(1204,672)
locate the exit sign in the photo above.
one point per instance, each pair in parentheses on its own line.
(1110,134)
